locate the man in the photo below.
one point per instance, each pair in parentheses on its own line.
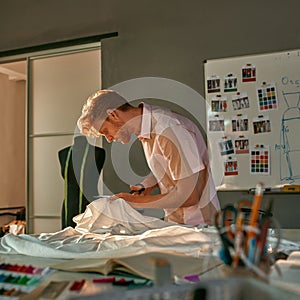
(174,149)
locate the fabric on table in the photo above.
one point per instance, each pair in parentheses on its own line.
(113,229)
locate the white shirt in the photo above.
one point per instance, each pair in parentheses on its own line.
(175,149)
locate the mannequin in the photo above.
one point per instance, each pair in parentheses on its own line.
(81,165)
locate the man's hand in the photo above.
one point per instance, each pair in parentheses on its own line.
(137,189)
(128,197)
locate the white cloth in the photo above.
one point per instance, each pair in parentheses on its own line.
(115,216)
(110,229)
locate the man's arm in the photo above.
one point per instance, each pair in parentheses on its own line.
(186,192)
(145,187)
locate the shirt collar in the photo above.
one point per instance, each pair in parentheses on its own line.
(146,121)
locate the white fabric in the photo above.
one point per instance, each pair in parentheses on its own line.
(115,216)
(112,229)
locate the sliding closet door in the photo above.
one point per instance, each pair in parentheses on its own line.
(58,85)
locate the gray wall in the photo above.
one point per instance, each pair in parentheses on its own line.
(168,38)
(159,38)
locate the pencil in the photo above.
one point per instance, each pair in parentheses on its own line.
(265,224)
(238,239)
(251,235)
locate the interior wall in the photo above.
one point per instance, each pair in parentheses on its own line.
(12,149)
(169,39)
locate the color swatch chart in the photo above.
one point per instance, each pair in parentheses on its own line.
(18,280)
(260,160)
(267,97)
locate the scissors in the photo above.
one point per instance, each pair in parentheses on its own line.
(138,191)
(226,217)
(223,220)
(226,223)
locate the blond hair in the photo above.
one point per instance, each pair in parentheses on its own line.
(95,110)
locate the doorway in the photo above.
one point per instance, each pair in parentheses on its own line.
(12,123)
(55,84)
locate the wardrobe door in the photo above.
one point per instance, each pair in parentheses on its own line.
(58,85)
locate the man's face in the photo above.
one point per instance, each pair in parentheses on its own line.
(115,130)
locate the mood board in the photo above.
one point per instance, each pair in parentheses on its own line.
(253,119)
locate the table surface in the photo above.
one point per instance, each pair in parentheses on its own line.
(90,288)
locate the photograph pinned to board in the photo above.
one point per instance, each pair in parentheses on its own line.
(261,124)
(213,84)
(240,101)
(241,145)
(248,73)
(230,166)
(219,103)
(260,159)
(240,122)
(230,83)
(226,146)
(216,123)
(267,96)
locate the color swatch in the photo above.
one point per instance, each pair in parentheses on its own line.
(17,280)
(267,97)
(260,160)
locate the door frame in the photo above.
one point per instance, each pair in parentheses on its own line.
(26,54)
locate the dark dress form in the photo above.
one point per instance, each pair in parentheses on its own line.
(81,165)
